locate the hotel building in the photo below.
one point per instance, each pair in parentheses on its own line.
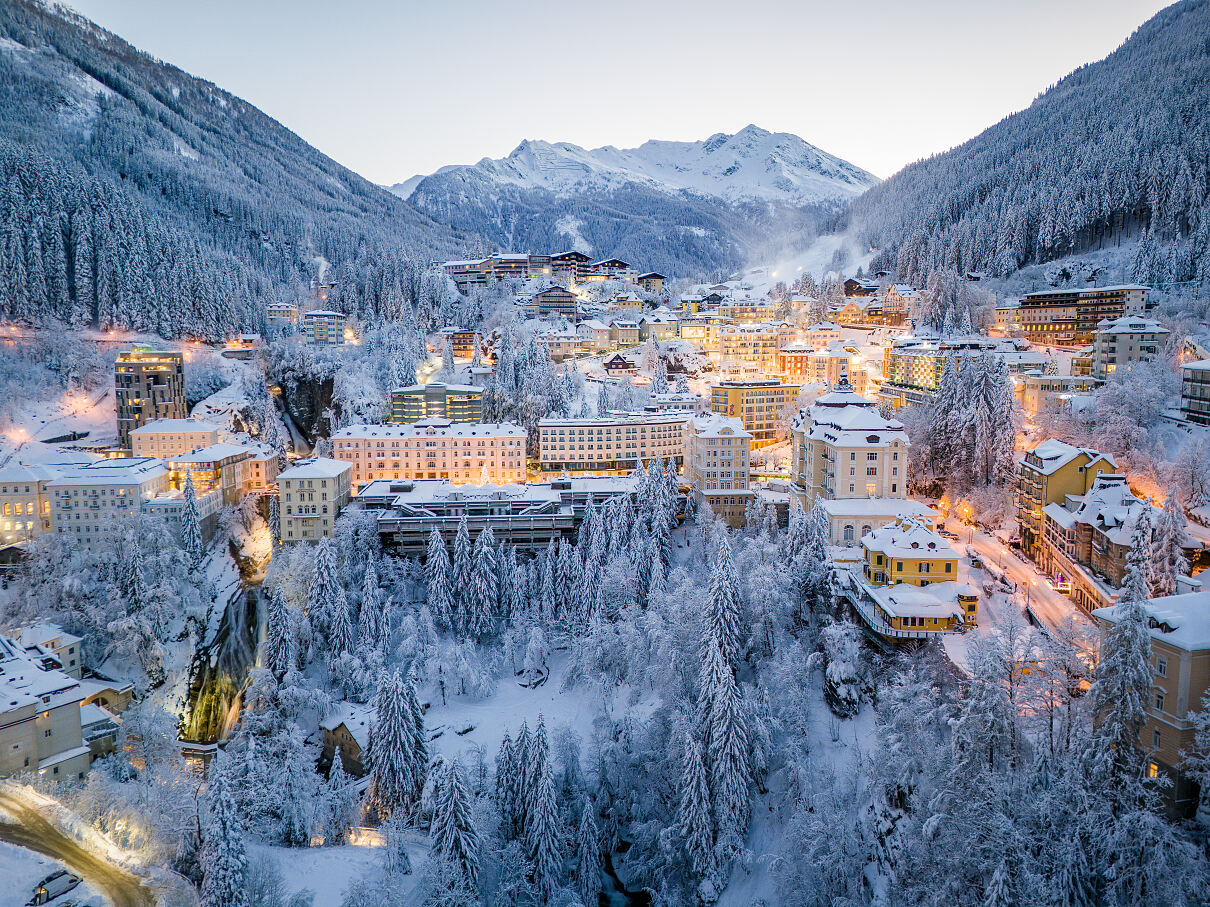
(311,494)
(456,402)
(758,404)
(148,384)
(614,443)
(170,437)
(462,452)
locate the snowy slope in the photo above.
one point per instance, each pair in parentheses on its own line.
(751,165)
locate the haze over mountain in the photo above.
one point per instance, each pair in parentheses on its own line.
(1117,150)
(133,194)
(675,206)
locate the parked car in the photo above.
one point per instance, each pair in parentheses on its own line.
(54,885)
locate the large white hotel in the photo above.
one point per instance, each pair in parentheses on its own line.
(462,452)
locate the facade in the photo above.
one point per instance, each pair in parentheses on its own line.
(281,317)
(464,343)
(1070,317)
(754,343)
(560,345)
(572,267)
(1047,475)
(822,334)
(594,335)
(611,444)
(435,400)
(898,302)
(652,282)
(323,327)
(717,454)
(165,438)
(624,334)
(552,301)
(758,404)
(657,326)
(618,366)
(311,494)
(856,286)
(703,331)
(1195,391)
(148,385)
(25,502)
(852,519)
(1125,340)
(169,506)
(843,448)
(527,516)
(460,452)
(672,401)
(803,364)
(1180,668)
(748,311)
(263,467)
(1050,393)
(85,504)
(912,366)
(40,729)
(223,468)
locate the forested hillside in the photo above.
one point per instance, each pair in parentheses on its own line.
(1119,150)
(133,194)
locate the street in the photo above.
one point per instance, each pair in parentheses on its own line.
(1051,608)
(32,831)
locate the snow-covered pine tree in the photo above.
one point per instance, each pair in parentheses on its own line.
(482,595)
(506,789)
(726,732)
(439,595)
(392,783)
(343,803)
(191,525)
(693,812)
(340,631)
(280,654)
(324,584)
(602,400)
(418,751)
(722,617)
(460,575)
(588,857)
(1121,686)
(1167,559)
(224,860)
(274,522)
(370,616)
(544,837)
(452,833)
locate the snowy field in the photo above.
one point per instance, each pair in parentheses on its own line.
(21,870)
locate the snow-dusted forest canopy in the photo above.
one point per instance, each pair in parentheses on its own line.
(133,195)
(1119,147)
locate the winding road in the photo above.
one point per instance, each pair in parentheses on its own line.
(26,827)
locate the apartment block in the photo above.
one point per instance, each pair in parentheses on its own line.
(703,331)
(755,343)
(86,504)
(614,443)
(323,327)
(1195,391)
(463,342)
(1180,677)
(171,437)
(311,495)
(148,385)
(25,501)
(552,301)
(758,404)
(1047,475)
(40,728)
(1124,340)
(281,317)
(460,452)
(912,366)
(435,400)
(1050,393)
(802,363)
(717,455)
(223,468)
(842,448)
(1070,317)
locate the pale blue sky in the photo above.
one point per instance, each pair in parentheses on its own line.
(395,88)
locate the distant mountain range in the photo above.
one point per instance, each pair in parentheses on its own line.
(1117,151)
(680,207)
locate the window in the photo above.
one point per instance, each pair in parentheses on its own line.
(1153,770)
(1161,666)
(1159,702)
(1156,739)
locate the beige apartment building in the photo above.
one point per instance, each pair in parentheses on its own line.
(755,343)
(703,331)
(758,404)
(717,454)
(148,384)
(843,448)
(1120,341)
(801,363)
(1180,677)
(39,716)
(87,503)
(24,502)
(614,443)
(311,496)
(165,438)
(462,452)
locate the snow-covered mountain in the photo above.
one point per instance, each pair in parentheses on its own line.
(751,165)
(682,208)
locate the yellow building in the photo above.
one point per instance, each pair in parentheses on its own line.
(1047,475)
(717,454)
(760,405)
(323,327)
(461,452)
(170,437)
(311,495)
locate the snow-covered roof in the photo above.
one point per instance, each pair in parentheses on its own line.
(355,717)
(714,425)
(316,468)
(1129,324)
(46,634)
(33,473)
(1061,292)
(427,428)
(213,452)
(455,388)
(1109,508)
(878,507)
(938,600)
(616,418)
(1200,366)
(24,680)
(323,313)
(173,426)
(908,537)
(115,471)
(824,326)
(1182,621)
(1055,454)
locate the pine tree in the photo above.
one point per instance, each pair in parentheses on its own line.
(544,836)
(343,804)
(369,629)
(340,633)
(482,596)
(324,585)
(693,812)
(588,858)
(280,653)
(726,733)
(1167,560)
(723,622)
(392,783)
(224,860)
(274,521)
(437,573)
(461,575)
(603,400)
(999,891)
(191,525)
(418,753)
(453,835)
(1122,684)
